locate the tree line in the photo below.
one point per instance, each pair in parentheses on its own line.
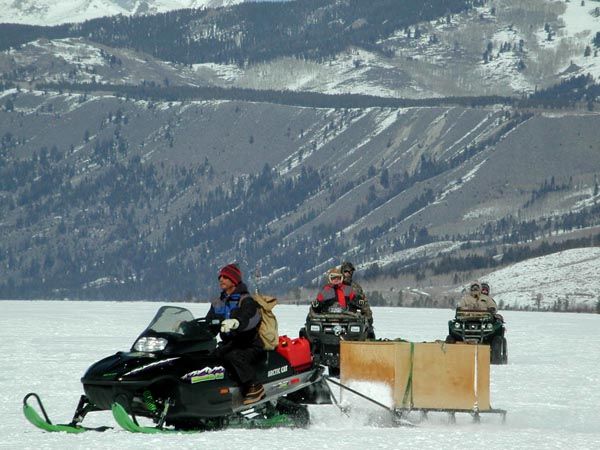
(251,32)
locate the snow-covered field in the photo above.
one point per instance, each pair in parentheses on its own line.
(549,387)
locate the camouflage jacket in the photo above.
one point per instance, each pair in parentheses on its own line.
(481,303)
(363,303)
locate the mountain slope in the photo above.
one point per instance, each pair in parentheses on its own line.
(409,49)
(109,196)
(133,176)
(52,12)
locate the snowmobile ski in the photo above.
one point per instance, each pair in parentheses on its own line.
(44,423)
(125,421)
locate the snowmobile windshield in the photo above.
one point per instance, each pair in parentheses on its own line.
(169,319)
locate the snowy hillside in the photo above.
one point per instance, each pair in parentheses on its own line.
(444,57)
(549,386)
(560,280)
(506,47)
(570,276)
(50,12)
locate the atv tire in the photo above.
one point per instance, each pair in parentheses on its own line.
(498,354)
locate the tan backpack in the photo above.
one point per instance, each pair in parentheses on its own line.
(267,330)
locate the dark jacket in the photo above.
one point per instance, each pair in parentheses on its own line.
(241,306)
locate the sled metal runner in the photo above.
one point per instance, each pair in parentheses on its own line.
(402,413)
(399,415)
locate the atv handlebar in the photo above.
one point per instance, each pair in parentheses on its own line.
(462,313)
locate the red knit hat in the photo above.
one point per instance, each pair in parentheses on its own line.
(233,272)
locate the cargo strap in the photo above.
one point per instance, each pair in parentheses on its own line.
(409,386)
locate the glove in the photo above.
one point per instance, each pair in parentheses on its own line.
(229,324)
(314,304)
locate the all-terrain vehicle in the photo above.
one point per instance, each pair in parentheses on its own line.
(324,330)
(172,377)
(481,327)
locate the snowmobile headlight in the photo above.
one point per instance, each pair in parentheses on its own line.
(315,328)
(150,344)
(456,324)
(489,326)
(354,328)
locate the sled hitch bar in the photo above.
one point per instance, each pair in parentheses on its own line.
(393,412)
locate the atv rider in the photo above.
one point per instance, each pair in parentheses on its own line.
(240,344)
(475,300)
(348,270)
(485,293)
(335,291)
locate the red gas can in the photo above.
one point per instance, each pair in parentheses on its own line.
(296,351)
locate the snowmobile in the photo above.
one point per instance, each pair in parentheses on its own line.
(171,377)
(482,327)
(324,330)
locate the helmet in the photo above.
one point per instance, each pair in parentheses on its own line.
(347,267)
(475,287)
(485,288)
(334,275)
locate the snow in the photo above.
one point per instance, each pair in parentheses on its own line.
(579,27)
(549,386)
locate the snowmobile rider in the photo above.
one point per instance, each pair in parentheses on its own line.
(348,270)
(475,300)
(335,291)
(240,344)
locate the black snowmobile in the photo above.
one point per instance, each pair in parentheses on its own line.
(325,329)
(481,327)
(171,377)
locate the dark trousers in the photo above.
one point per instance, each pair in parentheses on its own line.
(241,361)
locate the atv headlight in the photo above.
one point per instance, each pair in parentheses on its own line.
(315,328)
(150,344)
(457,325)
(488,326)
(354,328)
